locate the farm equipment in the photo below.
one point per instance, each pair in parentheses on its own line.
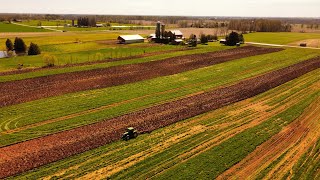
(130,134)
(303,44)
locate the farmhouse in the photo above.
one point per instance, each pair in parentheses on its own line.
(178,34)
(129,39)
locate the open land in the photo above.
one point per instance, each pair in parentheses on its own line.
(207,112)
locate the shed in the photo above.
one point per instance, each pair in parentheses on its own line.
(177,41)
(3,54)
(223,41)
(128,39)
(152,37)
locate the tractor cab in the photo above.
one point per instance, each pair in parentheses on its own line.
(131,133)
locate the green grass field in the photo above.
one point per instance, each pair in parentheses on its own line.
(65,38)
(279,38)
(4,27)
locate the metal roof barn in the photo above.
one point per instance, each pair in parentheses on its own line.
(129,39)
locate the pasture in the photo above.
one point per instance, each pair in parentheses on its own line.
(4,27)
(283,38)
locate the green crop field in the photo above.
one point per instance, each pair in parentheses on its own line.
(4,27)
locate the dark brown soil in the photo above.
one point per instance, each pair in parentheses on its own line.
(15,92)
(27,155)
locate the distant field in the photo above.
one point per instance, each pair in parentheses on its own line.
(4,27)
(279,38)
(64,38)
(46,23)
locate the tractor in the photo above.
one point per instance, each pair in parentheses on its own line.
(130,134)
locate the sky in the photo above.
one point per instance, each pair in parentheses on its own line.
(243,8)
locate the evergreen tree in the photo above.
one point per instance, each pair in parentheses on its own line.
(34,49)
(9,45)
(203,39)
(232,39)
(19,46)
(241,38)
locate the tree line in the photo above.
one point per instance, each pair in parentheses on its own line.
(87,22)
(259,25)
(20,47)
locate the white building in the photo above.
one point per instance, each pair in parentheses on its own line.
(3,54)
(129,39)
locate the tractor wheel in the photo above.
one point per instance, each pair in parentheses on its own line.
(135,134)
(126,138)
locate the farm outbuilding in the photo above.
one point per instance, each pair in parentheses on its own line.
(129,39)
(3,54)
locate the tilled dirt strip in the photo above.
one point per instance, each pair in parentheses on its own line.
(34,153)
(15,92)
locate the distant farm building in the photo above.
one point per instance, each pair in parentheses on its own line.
(303,44)
(152,37)
(177,41)
(3,54)
(178,34)
(223,41)
(129,39)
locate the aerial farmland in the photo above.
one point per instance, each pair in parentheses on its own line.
(85,96)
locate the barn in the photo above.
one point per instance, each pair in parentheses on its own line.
(129,39)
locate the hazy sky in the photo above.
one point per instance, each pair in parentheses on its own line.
(271,8)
